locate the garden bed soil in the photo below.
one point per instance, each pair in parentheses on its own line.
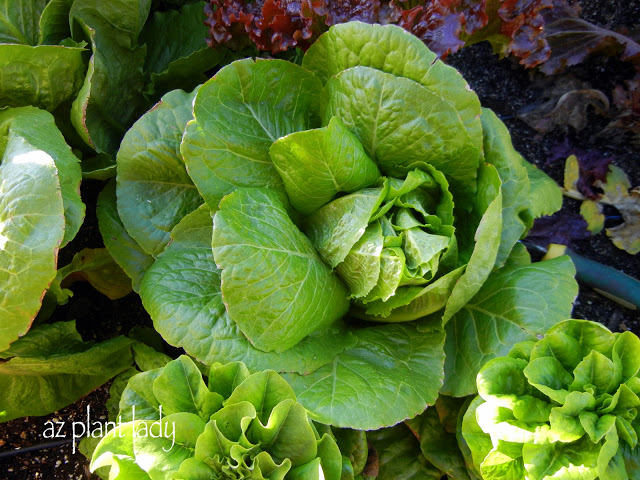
(503,86)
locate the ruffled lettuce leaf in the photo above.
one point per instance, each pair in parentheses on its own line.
(567,416)
(247,424)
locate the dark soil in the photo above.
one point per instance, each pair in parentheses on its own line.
(503,86)
(506,88)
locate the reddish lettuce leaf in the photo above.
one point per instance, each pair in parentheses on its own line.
(559,228)
(536,31)
(573,39)
(512,26)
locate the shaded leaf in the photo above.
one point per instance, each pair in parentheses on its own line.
(561,228)
(124,249)
(57,369)
(399,456)
(110,98)
(19,21)
(573,39)
(96,266)
(177,51)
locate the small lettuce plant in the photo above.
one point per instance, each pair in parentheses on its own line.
(172,425)
(562,407)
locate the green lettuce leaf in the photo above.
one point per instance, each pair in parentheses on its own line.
(315,165)
(41,211)
(238,115)
(415,223)
(515,304)
(426,129)
(399,455)
(545,196)
(373,375)
(109,100)
(438,445)
(500,153)
(486,240)
(182,294)
(51,367)
(19,21)
(39,129)
(549,407)
(395,51)
(247,425)
(150,166)
(44,76)
(54,22)
(124,249)
(336,228)
(290,293)
(576,460)
(177,51)
(96,266)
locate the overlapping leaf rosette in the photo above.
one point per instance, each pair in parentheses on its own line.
(333,221)
(562,407)
(173,425)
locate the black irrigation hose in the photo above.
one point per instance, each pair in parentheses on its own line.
(40,446)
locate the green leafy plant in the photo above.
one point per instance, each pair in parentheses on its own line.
(51,367)
(405,211)
(35,68)
(562,407)
(40,212)
(237,425)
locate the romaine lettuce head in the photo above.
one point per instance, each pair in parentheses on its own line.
(359,202)
(238,425)
(562,407)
